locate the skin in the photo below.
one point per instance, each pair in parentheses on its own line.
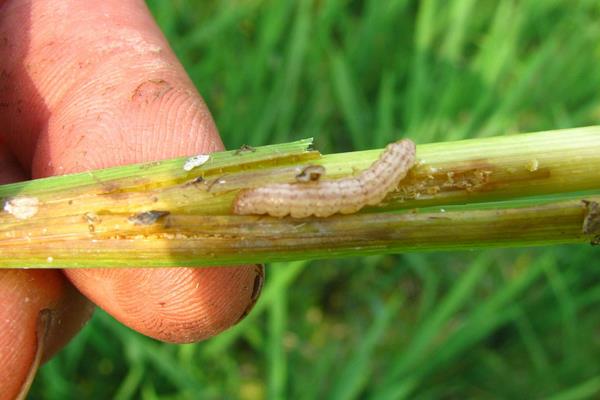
(87,85)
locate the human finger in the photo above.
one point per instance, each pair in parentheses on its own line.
(105,89)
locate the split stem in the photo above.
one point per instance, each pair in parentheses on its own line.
(518,190)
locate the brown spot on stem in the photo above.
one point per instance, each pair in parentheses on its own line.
(216,181)
(147,217)
(194,182)
(92,219)
(310,173)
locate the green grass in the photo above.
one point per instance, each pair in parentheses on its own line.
(356,75)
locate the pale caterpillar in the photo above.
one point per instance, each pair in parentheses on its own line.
(323,198)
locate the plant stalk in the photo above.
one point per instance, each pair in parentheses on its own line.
(518,190)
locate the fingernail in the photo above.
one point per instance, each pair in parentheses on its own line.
(259,279)
(44,321)
(257,286)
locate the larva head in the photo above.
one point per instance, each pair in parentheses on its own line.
(403,152)
(405,146)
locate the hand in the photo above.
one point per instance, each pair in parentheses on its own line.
(87,85)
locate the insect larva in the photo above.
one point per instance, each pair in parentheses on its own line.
(324,198)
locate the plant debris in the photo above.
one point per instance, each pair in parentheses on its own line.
(195,161)
(245,148)
(22,207)
(591,221)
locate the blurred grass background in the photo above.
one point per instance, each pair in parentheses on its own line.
(520,323)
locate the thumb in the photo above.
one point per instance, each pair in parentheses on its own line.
(101,87)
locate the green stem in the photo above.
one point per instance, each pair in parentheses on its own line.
(96,218)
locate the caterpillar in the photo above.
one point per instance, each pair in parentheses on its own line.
(323,198)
